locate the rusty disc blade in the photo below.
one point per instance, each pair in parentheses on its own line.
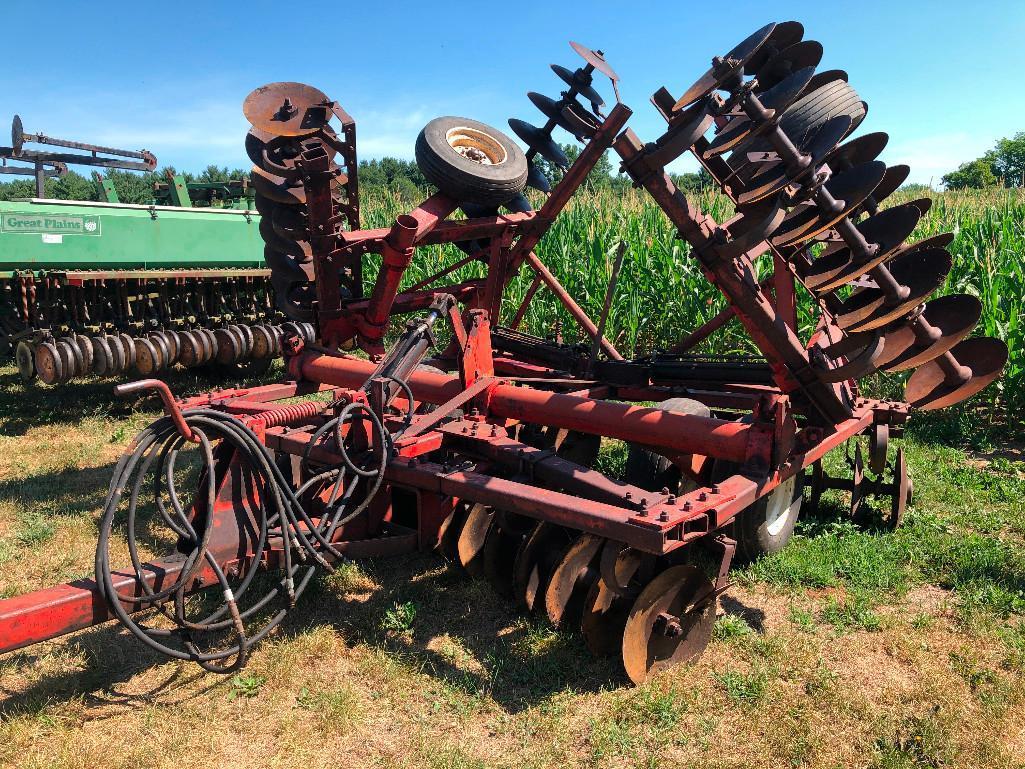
(929,389)
(535,561)
(815,147)
(921,271)
(540,142)
(145,357)
(74,363)
(954,316)
(507,533)
(102,358)
(246,334)
(807,53)
(569,77)
(163,353)
(49,366)
(853,357)
(650,644)
(733,63)
(784,35)
(448,532)
(118,354)
(229,346)
(922,204)
(277,189)
(287,109)
(900,493)
(942,240)
(857,151)
(85,346)
(571,116)
(298,248)
(887,230)
(608,605)
(739,132)
(850,188)
(128,344)
(189,353)
(892,179)
(858,489)
(263,345)
(470,545)
(596,59)
(571,580)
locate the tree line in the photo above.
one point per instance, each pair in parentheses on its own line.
(1004,165)
(401,177)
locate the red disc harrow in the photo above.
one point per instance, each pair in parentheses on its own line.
(484,448)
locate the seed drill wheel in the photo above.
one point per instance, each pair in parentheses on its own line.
(670,622)
(25,358)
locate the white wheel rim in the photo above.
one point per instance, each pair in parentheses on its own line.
(779,506)
(476,146)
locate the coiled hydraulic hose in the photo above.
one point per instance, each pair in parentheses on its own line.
(276,510)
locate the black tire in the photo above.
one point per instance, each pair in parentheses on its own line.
(653,471)
(812,111)
(767,526)
(498,176)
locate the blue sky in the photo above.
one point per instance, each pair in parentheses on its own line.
(942,78)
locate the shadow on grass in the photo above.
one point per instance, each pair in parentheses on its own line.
(517,661)
(25,406)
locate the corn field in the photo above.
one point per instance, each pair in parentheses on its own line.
(662,294)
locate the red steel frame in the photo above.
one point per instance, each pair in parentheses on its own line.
(444,458)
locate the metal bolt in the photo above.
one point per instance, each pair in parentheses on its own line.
(671,500)
(715,488)
(687,505)
(629,494)
(702,497)
(665,490)
(663,516)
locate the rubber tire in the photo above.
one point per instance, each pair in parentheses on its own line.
(813,110)
(461,178)
(653,471)
(751,527)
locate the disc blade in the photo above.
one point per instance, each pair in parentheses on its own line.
(507,534)
(954,316)
(608,605)
(892,179)
(807,53)
(887,230)
(571,580)
(928,388)
(277,189)
(596,59)
(777,98)
(920,271)
(536,179)
(287,109)
(785,34)
(470,545)
(857,151)
(583,88)
(539,142)
(850,188)
(535,561)
(733,63)
(816,147)
(647,645)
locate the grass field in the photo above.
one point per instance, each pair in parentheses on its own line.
(854,647)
